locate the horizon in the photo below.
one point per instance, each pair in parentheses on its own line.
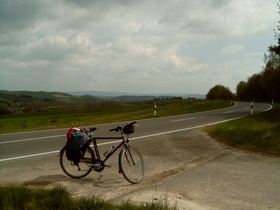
(115,93)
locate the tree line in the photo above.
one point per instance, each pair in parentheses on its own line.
(263,87)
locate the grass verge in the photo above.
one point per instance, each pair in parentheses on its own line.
(258,133)
(100,115)
(58,198)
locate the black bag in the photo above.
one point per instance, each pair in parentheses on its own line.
(74,154)
(128,129)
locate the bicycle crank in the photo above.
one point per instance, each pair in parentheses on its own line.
(98,165)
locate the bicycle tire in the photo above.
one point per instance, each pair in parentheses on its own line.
(131,164)
(82,169)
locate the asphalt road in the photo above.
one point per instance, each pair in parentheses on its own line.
(31,144)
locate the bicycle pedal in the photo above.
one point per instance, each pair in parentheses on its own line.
(109,166)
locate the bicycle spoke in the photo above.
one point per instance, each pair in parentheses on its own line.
(77,170)
(132,165)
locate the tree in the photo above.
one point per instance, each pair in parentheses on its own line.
(219,92)
(271,80)
(271,73)
(254,90)
(241,91)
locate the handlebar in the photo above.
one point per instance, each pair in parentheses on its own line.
(89,131)
(119,128)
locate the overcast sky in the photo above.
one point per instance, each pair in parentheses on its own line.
(141,46)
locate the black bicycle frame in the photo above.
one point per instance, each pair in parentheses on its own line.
(96,150)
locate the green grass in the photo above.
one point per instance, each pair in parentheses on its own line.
(258,133)
(12,197)
(100,115)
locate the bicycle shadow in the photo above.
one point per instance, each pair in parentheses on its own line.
(101,182)
(110,182)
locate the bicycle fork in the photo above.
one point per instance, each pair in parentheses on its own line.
(128,157)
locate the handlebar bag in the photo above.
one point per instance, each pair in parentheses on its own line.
(128,129)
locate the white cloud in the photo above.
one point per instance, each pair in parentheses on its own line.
(143,46)
(232,49)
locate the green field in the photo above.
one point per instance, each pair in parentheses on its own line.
(103,114)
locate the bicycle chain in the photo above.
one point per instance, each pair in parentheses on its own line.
(98,165)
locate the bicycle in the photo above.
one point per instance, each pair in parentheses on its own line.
(131,163)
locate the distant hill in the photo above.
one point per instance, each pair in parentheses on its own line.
(97,93)
(197,96)
(15,102)
(8,97)
(133,98)
(130,96)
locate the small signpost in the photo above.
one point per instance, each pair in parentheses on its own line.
(155,110)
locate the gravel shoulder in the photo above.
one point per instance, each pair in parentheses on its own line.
(189,170)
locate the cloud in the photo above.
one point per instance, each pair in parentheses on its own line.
(120,45)
(232,49)
(18,15)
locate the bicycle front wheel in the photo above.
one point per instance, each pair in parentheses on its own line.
(77,170)
(131,164)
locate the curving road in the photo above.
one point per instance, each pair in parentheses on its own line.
(36,143)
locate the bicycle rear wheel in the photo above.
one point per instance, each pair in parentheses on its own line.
(131,164)
(80,170)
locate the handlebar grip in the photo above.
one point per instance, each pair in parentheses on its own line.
(89,129)
(115,129)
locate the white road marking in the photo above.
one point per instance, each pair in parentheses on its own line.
(192,118)
(46,153)
(32,139)
(28,156)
